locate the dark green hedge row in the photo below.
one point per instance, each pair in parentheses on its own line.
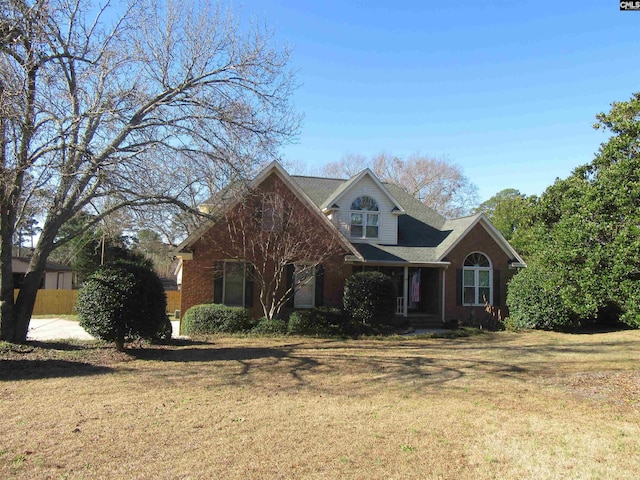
(207,319)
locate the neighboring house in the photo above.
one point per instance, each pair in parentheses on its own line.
(442,269)
(56,276)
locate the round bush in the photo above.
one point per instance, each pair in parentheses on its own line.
(274,326)
(534,301)
(210,318)
(370,298)
(123,301)
(321,321)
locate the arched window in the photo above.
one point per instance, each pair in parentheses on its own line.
(364,217)
(477,280)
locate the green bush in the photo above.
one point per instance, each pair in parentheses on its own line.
(123,301)
(209,318)
(370,298)
(320,321)
(275,326)
(534,301)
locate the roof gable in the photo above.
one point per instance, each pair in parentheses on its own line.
(277,169)
(345,187)
(460,227)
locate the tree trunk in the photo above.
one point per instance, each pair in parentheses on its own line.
(24,305)
(7,324)
(26,300)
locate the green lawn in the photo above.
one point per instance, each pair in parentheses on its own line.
(499,405)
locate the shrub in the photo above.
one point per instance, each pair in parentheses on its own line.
(123,301)
(274,326)
(534,301)
(320,321)
(209,318)
(164,331)
(370,298)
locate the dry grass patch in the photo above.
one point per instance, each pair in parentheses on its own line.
(503,405)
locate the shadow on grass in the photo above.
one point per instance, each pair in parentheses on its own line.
(324,366)
(29,369)
(206,352)
(65,345)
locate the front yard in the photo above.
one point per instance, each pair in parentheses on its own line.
(499,405)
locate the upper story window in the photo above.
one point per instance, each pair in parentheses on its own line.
(364,217)
(272,213)
(476,280)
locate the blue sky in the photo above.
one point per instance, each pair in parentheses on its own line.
(508,90)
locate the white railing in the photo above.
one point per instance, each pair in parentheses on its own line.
(400,306)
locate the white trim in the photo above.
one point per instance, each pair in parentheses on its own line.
(476,280)
(493,232)
(344,188)
(364,214)
(392,263)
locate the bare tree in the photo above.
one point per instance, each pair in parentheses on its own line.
(126,106)
(437,182)
(349,165)
(271,232)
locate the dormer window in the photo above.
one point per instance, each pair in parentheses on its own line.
(364,217)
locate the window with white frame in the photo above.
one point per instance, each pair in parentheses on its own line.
(233,286)
(305,286)
(477,280)
(364,217)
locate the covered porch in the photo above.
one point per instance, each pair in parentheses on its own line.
(420,291)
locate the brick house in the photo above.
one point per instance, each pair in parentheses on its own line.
(442,269)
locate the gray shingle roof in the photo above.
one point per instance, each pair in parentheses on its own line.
(423,234)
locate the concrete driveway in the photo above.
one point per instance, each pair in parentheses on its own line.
(59,328)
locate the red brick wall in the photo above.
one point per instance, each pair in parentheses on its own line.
(477,240)
(335,274)
(198,274)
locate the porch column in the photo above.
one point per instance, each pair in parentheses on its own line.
(405,297)
(444,276)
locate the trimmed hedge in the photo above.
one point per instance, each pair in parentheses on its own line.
(320,321)
(210,318)
(370,298)
(275,326)
(124,301)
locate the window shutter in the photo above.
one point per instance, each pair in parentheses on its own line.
(289,277)
(218,279)
(319,301)
(248,286)
(497,299)
(459,286)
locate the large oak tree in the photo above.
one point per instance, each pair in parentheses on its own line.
(125,106)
